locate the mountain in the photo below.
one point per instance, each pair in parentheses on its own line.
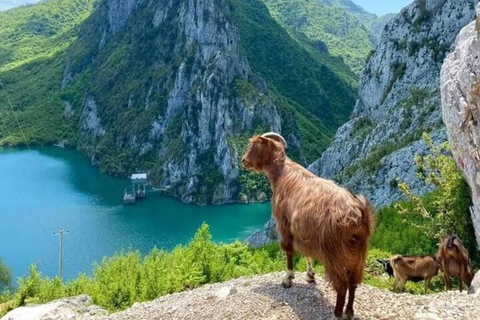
(399,99)
(337,26)
(171,87)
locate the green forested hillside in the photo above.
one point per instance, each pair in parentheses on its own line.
(339,25)
(33,45)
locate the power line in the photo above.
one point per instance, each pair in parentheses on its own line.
(14,115)
(29,210)
(60,233)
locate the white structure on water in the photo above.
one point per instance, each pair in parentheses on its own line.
(137,189)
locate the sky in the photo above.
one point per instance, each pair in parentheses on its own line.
(381,7)
(7,4)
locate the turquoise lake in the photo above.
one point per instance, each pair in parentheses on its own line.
(47,188)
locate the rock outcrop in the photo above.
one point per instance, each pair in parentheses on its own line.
(74,308)
(460,86)
(399,99)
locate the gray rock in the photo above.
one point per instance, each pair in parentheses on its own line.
(266,235)
(460,103)
(73,308)
(226,291)
(475,286)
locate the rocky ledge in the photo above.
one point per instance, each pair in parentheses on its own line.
(262,297)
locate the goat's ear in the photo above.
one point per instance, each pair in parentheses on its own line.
(266,142)
(263,139)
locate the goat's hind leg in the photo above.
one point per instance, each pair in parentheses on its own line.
(427,284)
(310,271)
(354,278)
(287,246)
(287,281)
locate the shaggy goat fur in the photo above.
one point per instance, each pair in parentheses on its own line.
(315,217)
(454,261)
(413,268)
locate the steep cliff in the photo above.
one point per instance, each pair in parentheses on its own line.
(176,87)
(171,87)
(399,98)
(460,87)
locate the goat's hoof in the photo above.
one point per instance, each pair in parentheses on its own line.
(348,315)
(286,283)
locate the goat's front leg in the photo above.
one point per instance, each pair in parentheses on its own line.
(338,312)
(310,271)
(448,286)
(349,313)
(460,284)
(287,246)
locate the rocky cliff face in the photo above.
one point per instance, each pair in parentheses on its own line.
(460,87)
(399,98)
(168,87)
(199,113)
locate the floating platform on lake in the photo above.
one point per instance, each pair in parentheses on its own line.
(137,190)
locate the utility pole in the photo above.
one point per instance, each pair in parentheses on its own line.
(60,233)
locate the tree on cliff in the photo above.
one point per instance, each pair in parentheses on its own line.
(5,277)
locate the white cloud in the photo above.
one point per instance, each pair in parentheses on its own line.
(7,4)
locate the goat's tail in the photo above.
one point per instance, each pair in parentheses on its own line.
(368,217)
(362,237)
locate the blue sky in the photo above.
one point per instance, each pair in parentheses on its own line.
(381,7)
(7,4)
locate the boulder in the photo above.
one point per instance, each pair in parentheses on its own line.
(73,308)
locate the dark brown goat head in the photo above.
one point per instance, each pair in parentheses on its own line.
(264,151)
(450,246)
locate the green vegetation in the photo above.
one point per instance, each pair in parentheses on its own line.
(416,225)
(345,31)
(362,127)
(314,85)
(33,44)
(5,278)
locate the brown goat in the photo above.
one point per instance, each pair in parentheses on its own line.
(413,268)
(454,261)
(315,217)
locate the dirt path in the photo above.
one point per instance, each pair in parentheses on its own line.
(262,297)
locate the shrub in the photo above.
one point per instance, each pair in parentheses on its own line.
(5,277)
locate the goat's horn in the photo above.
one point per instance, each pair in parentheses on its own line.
(276,137)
